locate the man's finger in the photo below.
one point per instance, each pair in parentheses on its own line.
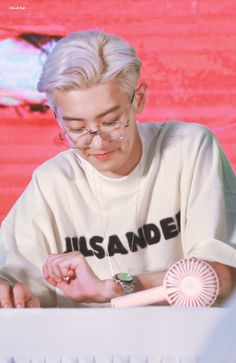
(51,281)
(5,295)
(19,295)
(33,303)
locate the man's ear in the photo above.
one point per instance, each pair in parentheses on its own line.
(140,97)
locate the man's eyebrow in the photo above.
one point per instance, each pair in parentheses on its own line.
(110,110)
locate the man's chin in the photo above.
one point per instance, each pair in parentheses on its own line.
(103,167)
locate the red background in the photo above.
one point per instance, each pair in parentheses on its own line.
(188,49)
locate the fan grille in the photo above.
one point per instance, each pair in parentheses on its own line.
(191,282)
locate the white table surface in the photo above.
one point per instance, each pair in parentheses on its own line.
(137,335)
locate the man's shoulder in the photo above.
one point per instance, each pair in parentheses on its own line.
(62,163)
(175,129)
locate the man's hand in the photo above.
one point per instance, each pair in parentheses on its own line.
(18,296)
(71,273)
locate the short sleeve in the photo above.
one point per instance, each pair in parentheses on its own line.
(208,197)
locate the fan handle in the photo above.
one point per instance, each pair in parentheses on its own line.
(162,293)
(140,298)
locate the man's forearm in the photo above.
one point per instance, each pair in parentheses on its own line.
(149,280)
(227,278)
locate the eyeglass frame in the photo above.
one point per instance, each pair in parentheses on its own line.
(96,132)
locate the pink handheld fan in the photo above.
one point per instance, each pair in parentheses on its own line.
(188,282)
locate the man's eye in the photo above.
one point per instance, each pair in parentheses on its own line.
(78,131)
(110,123)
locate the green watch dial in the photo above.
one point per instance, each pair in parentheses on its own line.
(125,277)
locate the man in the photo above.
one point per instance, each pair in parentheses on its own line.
(114,212)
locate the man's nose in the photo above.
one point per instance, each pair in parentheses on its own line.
(97,142)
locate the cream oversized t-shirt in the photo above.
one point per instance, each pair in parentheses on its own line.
(179,201)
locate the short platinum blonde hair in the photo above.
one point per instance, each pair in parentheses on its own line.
(84,59)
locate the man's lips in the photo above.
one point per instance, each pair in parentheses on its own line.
(103,156)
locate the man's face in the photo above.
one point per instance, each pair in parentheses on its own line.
(90,108)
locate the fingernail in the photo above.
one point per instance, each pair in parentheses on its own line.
(6,306)
(18,306)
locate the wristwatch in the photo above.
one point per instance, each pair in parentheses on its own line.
(126,280)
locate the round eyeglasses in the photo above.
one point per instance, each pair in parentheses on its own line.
(109,131)
(81,139)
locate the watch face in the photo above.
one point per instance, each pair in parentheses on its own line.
(125,277)
(126,280)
